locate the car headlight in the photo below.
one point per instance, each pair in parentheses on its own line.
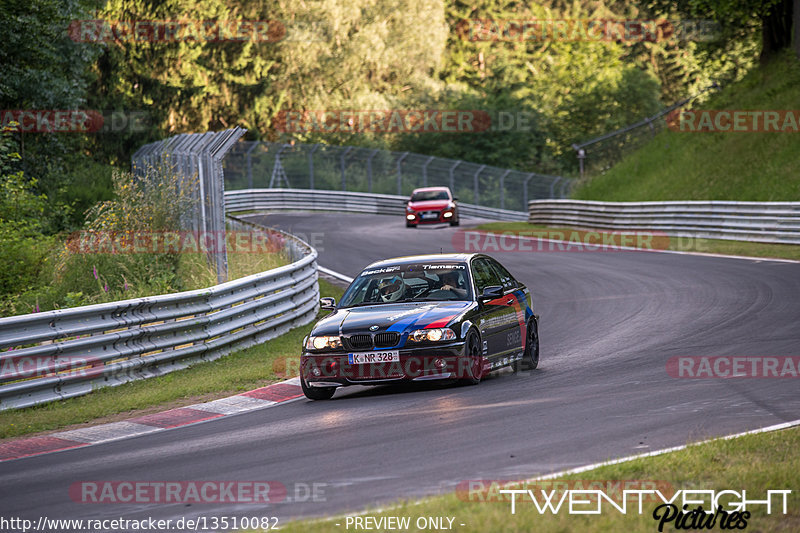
(432,335)
(322,342)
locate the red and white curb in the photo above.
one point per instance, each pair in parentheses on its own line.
(268,396)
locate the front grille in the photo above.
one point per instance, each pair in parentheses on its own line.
(360,342)
(386,340)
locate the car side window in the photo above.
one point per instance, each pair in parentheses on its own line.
(506,279)
(484,275)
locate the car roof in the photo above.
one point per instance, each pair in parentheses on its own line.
(431,189)
(409,259)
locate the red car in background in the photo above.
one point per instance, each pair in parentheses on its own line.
(432,205)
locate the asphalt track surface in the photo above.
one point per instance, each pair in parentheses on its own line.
(609,323)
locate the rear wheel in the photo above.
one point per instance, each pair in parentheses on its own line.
(530,359)
(472,371)
(316,393)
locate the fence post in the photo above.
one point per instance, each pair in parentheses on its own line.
(369,169)
(311,166)
(250,165)
(525,190)
(341,166)
(476,196)
(452,177)
(503,189)
(425,171)
(400,174)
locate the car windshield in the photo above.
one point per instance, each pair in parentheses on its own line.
(417,282)
(424,196)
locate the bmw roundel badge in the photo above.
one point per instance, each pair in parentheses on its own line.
(373,328)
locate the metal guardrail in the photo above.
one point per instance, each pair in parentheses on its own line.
(314,200)
(69,352)
(769,222)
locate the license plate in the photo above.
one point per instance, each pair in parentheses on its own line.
(430,215)
(363,358)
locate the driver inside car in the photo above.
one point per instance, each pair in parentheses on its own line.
(391,289)
(451,281)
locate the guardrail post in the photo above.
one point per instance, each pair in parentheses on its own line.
(400,174)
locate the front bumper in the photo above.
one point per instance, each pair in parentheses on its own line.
(440,219)
(422,363)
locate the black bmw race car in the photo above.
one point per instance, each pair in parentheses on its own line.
(426,317)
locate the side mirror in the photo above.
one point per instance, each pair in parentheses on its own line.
(491,292)
(327,304)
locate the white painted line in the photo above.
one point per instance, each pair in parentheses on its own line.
(334,274)
(106,432)
(585,468)
(232,405)
(581,469)
(293,381)
(630,248)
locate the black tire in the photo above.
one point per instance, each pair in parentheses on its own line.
(472,372)
(530,358)
(410,225)
(454,222)
(317,393)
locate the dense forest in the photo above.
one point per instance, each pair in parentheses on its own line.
(135,71)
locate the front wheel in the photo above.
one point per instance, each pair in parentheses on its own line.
(473,369)
(530,359)
(410,225)
(317,393)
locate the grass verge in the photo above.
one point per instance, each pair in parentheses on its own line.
(245,370)
(755,463)
(711,246)
(685,165)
